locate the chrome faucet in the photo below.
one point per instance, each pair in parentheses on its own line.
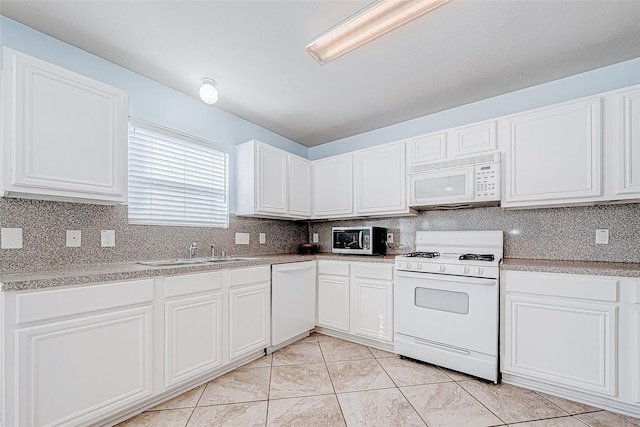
(192,249)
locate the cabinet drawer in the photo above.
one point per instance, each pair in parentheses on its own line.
(43,305)
(339,268)
(373,271)
(245,276)
(563,285)
(192,283)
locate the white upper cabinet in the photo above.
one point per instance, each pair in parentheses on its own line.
(473,139)
(332,188)
(554,155)
(65,135)
(427,148)
(627,137)
(381,187)
(271,183)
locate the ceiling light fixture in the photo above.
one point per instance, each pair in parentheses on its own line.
(208,91)
(378,19)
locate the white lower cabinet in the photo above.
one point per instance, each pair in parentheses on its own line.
(571,335)
(80,353)
(193,325)
(249,310)
(356,298)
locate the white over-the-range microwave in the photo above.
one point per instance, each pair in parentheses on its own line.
(457,183)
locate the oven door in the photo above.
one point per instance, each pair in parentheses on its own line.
(460,312)
(442,187)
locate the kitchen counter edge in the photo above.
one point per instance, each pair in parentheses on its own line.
(99,273)
(591,268)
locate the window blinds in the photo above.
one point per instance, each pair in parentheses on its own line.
(175,179)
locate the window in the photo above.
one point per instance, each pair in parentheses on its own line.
(176,179)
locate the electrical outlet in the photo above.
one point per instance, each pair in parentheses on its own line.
(390,238)
(602,236)
(263,238)
(242,238)
(315,238)
(74,238)
(11,238)
(107,238)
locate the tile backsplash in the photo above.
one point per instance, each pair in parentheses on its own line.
(555,233)
(45,223)
(552,233)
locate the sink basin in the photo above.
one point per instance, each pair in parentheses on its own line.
(191,261)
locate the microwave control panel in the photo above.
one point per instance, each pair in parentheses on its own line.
(487,185)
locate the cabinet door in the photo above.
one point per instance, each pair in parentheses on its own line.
(427,148)
(628,127)
(193,337)
(299,187)
(476,138)
(65,135)
(249,319)
(569,343)
(333,187)
(381,180)
(333,302)
(271,177)
(554,155)
(372,308)
(72,371)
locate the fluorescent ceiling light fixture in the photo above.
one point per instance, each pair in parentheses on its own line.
(382,17)
(208,91)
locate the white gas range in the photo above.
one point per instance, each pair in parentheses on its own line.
(446,298)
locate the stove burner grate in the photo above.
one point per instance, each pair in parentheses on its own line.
(477,257)
(422,255)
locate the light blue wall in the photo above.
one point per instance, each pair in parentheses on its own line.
(580,85)
(148,100)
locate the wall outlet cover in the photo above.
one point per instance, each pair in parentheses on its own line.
(242,238)
(74,238)
(263,238)
(107,238)
(390,238)
(602,236)
(11,238)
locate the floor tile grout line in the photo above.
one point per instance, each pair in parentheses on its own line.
(412,407)
(480,402)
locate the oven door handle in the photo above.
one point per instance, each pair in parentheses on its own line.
(446,278)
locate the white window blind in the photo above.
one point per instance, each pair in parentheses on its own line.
(175,179)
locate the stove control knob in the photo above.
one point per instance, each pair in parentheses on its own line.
(419,266)
(479,271)
(464,269)
(442,268)
(409,266)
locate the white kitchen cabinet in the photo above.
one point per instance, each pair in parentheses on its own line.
(271,183)
(249,310)
(474,138)
(381,183)
(293,300)
(65,135)
(427,148)
(193,308)
(80,353)
(627,139)
(332,187)
(562,330)
(356,299)
(333,295)
(372,300)
(554,155)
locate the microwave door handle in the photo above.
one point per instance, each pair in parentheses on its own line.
(361,234)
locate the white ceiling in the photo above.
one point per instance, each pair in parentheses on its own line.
(462,52)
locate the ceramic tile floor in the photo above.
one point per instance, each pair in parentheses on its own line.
(325,381)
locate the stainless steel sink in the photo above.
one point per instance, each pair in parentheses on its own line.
(191,261)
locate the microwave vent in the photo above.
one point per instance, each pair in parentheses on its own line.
(467,161)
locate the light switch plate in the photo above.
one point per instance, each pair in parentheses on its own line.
(74,238)
(602,236)
(242,238)
(263,238)
(107,238)
(315,238)
(11,238)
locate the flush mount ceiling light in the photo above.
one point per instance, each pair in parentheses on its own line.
(382,17)
(208,91)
